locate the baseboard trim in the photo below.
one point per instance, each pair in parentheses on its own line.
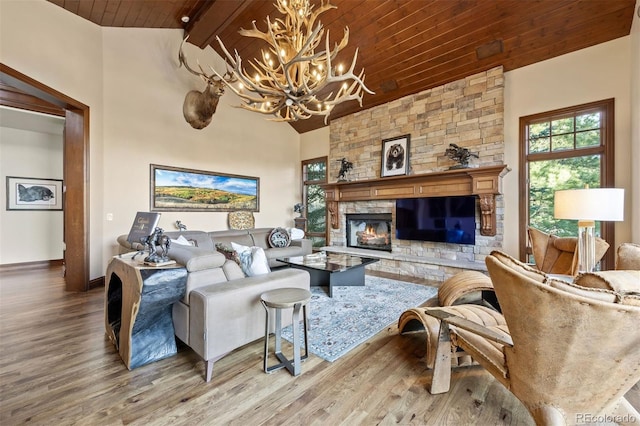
(96,282)
(42,264)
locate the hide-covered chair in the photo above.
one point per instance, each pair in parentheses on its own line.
(568,350)
(628,256)
(559,255)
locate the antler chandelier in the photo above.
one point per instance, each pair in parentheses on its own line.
(290,79)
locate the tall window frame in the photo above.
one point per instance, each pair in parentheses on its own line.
(605,150)
(310,187)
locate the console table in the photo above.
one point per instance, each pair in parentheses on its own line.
(138,304)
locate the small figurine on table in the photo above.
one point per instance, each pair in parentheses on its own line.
(157,238)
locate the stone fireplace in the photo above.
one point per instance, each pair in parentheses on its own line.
(369,231)
(468,112)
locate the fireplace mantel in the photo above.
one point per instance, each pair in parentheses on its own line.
(485,182)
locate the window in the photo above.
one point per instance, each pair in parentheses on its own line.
(564,149)
(314,173)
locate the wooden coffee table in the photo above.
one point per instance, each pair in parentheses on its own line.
(331,270)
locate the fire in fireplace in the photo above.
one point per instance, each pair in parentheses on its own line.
(369,231)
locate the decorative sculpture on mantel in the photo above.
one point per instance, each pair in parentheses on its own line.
(181,226)
(157,238)
(459,154)
(345,168)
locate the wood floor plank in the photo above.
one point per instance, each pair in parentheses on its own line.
(58,367)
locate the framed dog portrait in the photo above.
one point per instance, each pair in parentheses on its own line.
(395,156)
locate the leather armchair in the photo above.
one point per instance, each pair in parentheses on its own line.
(559,255)
(568,351)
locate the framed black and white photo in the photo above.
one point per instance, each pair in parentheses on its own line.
(184,190)
(395,156)
(24,193)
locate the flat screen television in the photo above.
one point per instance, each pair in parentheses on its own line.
(439,219)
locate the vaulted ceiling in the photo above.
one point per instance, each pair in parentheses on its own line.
(405,46)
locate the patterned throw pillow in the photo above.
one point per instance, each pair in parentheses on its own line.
(279,237)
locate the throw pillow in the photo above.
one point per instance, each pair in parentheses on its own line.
(296,234)
(279,237)
(181,240)
(253,260)
(230,254)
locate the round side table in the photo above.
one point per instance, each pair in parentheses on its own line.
(279,299)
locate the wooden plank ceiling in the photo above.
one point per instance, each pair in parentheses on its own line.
(405,46)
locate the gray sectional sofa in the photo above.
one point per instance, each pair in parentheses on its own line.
(249,237)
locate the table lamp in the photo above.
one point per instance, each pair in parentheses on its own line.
(586,206)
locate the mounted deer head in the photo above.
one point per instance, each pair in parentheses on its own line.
(198,107)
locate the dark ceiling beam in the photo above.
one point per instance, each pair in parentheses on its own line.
(212,19)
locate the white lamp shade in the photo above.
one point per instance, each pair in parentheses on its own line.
(590,204)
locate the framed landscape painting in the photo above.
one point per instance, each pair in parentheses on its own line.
(395,156)
(178,189)
(24,193)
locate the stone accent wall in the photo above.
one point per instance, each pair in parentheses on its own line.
(467,112)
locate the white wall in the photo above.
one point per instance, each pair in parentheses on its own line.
(131,81)
(29,236)
(314,144)
(635,125)
(592,74)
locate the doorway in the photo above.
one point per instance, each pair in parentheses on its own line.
(35,96)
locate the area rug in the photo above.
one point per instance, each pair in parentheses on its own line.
(355,314)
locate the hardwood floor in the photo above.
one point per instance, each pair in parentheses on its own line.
(57,367)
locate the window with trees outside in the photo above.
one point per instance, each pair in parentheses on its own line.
(314,173)
(564,149)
